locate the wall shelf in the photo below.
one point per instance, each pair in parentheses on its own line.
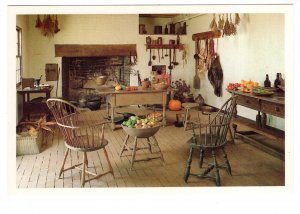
(206,35)
(165,46)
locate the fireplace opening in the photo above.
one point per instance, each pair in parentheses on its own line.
(77,71)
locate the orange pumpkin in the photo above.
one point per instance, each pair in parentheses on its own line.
(174,105)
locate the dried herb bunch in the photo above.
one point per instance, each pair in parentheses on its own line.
(182,90)
(33,127)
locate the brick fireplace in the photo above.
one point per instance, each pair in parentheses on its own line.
(81,63)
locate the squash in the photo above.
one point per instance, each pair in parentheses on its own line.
(174,105)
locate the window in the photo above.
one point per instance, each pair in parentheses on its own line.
(19,56)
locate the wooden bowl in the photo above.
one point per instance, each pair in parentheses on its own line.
(141,133)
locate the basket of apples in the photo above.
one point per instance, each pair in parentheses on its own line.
(141,128)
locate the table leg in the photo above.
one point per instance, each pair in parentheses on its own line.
(112,118)
(164,115)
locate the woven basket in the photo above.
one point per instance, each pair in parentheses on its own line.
(29,145)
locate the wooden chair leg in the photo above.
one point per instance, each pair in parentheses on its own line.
(215,164)
(108,161)
(64,161)
(188,166)
(83,170)
(86,160)
(228,167)
(201,155)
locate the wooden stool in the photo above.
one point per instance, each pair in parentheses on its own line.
(187,107)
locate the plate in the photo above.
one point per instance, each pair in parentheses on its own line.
(266,94)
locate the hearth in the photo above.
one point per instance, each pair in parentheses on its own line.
(82,63)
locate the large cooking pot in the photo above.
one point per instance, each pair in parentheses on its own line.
(94,103)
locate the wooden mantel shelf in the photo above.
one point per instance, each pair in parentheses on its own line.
(77,50)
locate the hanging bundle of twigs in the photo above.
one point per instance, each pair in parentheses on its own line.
(232,27)
(237,19)
(226,30)
(213,24)
(221,22)
(49,25)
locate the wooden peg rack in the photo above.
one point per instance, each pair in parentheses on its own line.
(206,35)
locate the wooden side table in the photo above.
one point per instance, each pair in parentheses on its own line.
(39,106)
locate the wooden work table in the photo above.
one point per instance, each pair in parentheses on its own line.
(137,97)
(273,105)
(30,106)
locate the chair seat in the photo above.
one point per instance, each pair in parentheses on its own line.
(200,139)
(86,143)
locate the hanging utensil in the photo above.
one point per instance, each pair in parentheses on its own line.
(166,52)
(162,53)
(158,55)
(196,79)
(174,57)
(170,56)
(153,57)
(196,56)
(150,63)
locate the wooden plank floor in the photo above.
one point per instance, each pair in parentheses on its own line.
(250,166)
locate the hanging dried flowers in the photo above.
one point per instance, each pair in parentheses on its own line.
(49,25)
(237,19)
(227,27)
(221,22)
(213,24)
(226,30)
(232,27)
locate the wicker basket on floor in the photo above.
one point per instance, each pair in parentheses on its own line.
(29,145)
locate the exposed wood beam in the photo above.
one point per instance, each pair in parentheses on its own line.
(76,50)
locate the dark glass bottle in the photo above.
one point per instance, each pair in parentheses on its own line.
(277,80)
(267,82)
(166,30)
(178,39)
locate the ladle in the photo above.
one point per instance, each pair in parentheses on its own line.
(150,63)
(153,57)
